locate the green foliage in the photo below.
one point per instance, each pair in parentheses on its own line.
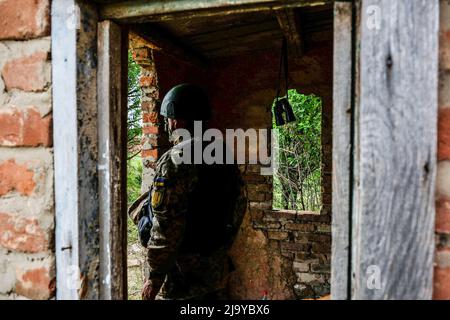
(134,126)
(134,181)
(134,123)
(297,181)
(134,172)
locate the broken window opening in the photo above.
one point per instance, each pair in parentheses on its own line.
(297,178)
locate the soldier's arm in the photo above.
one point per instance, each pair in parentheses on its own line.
(169,204)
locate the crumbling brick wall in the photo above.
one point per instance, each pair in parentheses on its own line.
(159,73)
(284,254)
(27,268)
(442,258)
(153,138)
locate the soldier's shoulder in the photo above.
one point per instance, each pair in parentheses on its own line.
(169,164)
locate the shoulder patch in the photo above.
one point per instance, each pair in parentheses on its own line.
(160,182)
(158,192)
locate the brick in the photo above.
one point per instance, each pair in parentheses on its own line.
(142,54)
(443,178)
(152,153)
(25,128)
(255,196)
(266,205)
(443,214)
(444,90)
(16,177)
(21,234)
(320,238)
(305,227)
(441,287)
(262,188)
(148,106)
(253,178)
(301,266)
(304,277)
(149,142)
(24,19)
(150,117)
(150,129)
(277,235)
(35,283)
(267,225)
(444,134)
(320,267)
(27,73)
(305,216)
(299,247)
(147,81)
(302,256)
(325,228)
(321,248)
(444,50)
(443,258)
(281,214)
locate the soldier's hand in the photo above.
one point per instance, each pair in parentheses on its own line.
(148,292)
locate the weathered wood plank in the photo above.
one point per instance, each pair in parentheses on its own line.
(65,150)
(342,117)
(394,223)
(75,146)
(291,27)
(112,117)
(232,32)
(140,10)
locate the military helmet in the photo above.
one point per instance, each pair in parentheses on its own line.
(186,101)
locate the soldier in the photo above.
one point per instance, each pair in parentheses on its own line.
(196,210)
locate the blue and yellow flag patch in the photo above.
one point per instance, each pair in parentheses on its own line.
(158,192)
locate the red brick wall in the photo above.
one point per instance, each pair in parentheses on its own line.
(26,160)
(442,257)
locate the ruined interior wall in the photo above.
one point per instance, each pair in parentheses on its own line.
(284,254)
(27,267)
(442,258)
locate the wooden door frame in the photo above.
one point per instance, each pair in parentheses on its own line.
(84,178)
(89,71)
(374,233)
(89,112)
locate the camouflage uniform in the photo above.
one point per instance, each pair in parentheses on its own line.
(179,273)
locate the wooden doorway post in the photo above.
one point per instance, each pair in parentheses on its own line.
(384,204)
(112,130)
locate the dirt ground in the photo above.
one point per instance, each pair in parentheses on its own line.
(136,264)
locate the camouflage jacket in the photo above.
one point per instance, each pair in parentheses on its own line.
(179,275)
